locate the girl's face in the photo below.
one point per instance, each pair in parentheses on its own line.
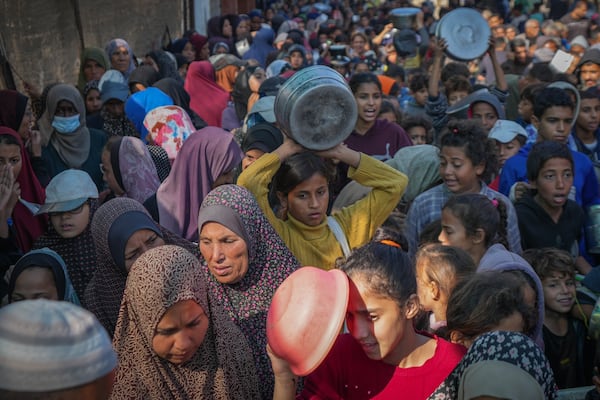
(418,135)
(454,233)
(72,223)
(180,332)
(242,29)
(225,252)
(308,201)
(189,52)
(10,154)
(368,100)
(92,101)
(204,52)
(296,59)
(35,283)
(377,322)
(507,150)
(108,175)
(525,110)
(120,59)
(26,123)
(486,114)
(389,116)
(358,45)
(458,172)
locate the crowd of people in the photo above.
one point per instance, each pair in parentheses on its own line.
(150,210)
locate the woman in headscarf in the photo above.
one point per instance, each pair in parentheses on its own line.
(93,64)
(200,43)
(262,263)
(66,140)
(164,63)
(262,46)
(173,341)
(208,99)
(15,112)
(18,227)
(114,225)
(168,127)
(141,103)
(245,91)
(142,78)
(112,119)
(227,67)
(41,274)
(500,365)
(207,159)
(181,98)
(121,56)
(128,169)
(220,29)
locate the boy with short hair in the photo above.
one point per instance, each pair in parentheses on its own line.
(552,116)
(569,351)
(585,135)
(547,218)
(418,90)
(509,137)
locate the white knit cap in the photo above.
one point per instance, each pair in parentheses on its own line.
(50,345)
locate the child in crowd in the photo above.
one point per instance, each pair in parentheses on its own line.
(569,352)
(467,160)
(585,134)
(418,89)
(419,128)
(525,108)
(547,218)
(382,356)
(553,115)
(488,301)
(509,137)
(477,225)
(438,269)
(390,112)
(302,180)
(71,201)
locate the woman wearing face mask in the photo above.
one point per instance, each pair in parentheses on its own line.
(66,141)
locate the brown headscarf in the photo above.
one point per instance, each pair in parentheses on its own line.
(105,291)
(222,367)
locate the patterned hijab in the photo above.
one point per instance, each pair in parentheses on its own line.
(511,347)
(204,156)
(220,369)
(139,179)
(78,253)
(45,258)
(27,227)
(168,127)
(73,148)
(269,263)
(105,291)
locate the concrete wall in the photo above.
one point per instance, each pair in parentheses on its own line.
(42,41)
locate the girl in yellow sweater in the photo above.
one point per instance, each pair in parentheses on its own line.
(301,181)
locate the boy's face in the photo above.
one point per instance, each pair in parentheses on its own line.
(455,97)
(559,292)
(553,184)
(507,150)
(420,96)
(526,110)
(555,124)
(296,59)
(486,113)
(589,115)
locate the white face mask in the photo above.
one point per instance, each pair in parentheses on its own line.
(66,124)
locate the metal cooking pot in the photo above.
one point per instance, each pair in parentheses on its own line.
(316,108)
(404,18)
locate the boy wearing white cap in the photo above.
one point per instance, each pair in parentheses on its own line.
(509,137)
(54,350)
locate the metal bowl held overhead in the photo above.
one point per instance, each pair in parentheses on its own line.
(403,18)
(316,108)
(466,32)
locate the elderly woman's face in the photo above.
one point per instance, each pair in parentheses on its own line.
(120,59)
(225,252)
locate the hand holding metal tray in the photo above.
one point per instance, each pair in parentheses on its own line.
(466,32)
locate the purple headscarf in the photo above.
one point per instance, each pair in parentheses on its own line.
(115,43)
(204,156)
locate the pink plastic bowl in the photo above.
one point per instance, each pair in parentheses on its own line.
(306,315)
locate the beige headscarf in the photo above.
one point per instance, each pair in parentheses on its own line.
(73,148)
(222,368)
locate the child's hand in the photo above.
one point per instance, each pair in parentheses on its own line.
(288,148)
(281,368)
(521,189)
(440,47)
